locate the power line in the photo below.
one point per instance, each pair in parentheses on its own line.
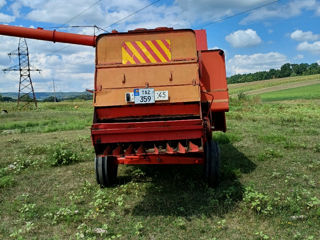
(99,28)
(240,13)
(79,14)
(78,26)
(134,13)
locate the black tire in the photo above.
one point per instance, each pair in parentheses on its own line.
(212,163)
(106,170)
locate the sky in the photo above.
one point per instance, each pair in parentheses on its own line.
(256,35)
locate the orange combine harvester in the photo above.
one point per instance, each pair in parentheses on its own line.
(158,95)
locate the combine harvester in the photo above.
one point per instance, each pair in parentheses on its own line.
(158,95)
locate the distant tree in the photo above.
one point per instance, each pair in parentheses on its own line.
(314,68)
(26,98)
(285,70)
(51,99)
(6,99)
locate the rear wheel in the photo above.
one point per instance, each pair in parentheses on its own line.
(106,168)
(212,163)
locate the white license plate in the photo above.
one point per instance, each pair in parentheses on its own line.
(161,95)
(143,95)
(158,96)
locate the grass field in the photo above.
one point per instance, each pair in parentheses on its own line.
(237,88)
(306,92)
(269,185)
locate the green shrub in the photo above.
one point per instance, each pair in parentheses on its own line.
(242,96)
(258,202)
(62,154)
(6,181)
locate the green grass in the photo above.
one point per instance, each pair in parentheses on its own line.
(237,88)
(49,117)
(305,92)
(269,183)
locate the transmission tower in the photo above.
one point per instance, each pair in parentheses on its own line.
(25,82)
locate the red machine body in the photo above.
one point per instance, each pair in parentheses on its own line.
(173,130)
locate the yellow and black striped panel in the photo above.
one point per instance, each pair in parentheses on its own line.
(149,51)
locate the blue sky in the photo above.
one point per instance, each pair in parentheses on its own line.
(267,37)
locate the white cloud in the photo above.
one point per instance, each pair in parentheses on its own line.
(4,18)
(318,62)
(300,36)
(287,10)
(2,3)
(243,38)
(102,14)
(72,67)
(313,48)
(240,64)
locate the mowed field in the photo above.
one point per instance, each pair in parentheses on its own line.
(270,177)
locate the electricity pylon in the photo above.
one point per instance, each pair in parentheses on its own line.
(25,83)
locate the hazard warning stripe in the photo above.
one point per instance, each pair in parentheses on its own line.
(150,51)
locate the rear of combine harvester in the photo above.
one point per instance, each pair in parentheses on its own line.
(158,96)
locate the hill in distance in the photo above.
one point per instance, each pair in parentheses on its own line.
(44,95)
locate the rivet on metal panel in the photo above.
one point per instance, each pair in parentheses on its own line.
(124,78)
(194,82)
(171,78)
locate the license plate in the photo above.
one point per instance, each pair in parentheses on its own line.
(143,95)
(161,95)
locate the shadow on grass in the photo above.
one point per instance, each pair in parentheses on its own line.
(181,190)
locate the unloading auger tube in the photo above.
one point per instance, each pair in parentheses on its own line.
(46,35)
(158,95)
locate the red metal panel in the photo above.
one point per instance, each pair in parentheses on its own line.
(201,38)
(136,125)
(152,110)
(160,159)
(146,131)
(213,79)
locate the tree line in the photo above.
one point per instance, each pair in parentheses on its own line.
(27,98)
(286,70)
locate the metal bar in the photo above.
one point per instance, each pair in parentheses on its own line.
(120,65)
(160,159)
(177,109)
(128,125)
